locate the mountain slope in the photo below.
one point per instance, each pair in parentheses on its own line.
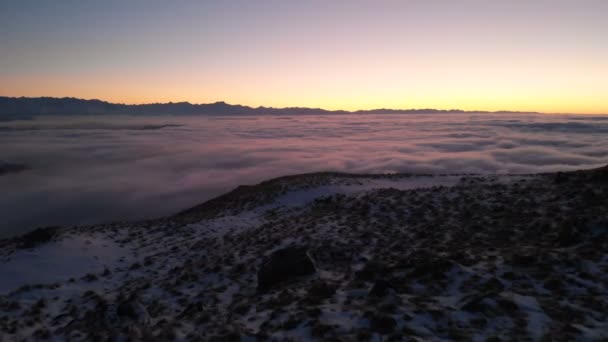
(36,106)
(409,257)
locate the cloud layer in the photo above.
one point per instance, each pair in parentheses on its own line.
(89,170)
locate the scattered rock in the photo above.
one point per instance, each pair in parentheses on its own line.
(411,243)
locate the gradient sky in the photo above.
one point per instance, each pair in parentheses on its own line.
(549,56)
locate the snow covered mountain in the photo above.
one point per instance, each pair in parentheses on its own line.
(329,256)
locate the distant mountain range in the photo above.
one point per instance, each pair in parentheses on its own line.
(30,106)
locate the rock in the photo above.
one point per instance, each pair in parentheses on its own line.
(479,323)
(382,324)
(126,309)
(509,275)
(475,303)
(567,236)
(523,259)
(553,283)
(371,270)
(434,268)
(125,312)
(283,265)
(38,237)
(507,304)
(321,290)
(561,178)
(231,336)
(191,310)
(493,285)
(380,288)
(600,175)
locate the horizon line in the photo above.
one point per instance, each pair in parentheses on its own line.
(301,107)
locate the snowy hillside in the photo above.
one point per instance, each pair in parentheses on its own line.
(329,256)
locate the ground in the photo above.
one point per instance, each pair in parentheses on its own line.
(396,257)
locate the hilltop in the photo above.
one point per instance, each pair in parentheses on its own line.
(329,256)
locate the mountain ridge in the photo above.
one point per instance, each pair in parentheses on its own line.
(34,106)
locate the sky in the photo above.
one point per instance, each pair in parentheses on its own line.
(528,55)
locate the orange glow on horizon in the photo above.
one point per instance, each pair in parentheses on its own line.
(478,55)
(351,99)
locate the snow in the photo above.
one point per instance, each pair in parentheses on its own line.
(537,319)
(300,198)
(209,267)
(56,261)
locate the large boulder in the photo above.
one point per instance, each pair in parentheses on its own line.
(284,264)
(38,236)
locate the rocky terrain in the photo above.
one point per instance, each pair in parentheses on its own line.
(329,256)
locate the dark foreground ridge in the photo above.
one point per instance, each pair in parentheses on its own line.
(329,256)
(23,107)
(247,197)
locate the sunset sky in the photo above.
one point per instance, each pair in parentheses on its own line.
(545,55)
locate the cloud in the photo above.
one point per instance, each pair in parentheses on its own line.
(569,127)
(89,170)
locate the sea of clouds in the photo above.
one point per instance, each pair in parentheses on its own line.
(83,170)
